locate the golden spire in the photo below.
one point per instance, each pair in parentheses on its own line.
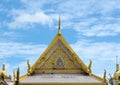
(89,66)
(3,72)
(59,25)
(117,65)
(3,67)
(104,76)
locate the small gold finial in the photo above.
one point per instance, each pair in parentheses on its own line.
(117,65)
(29,67)
(104,76)
(3,67)
(90,65)
(59,25)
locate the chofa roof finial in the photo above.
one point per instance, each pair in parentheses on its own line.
(117,65)
(59,25)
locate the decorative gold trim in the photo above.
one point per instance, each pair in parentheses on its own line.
(96,77)
(23,77)
(60,37)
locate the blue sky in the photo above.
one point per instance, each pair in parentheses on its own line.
(91,27)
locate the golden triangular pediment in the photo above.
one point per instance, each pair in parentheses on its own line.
(59,58)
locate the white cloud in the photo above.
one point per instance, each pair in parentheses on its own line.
(86,17)
(14,50)
(87,7)
(102,54)
(103,30)
(76,8)
(108,6)
(24,19)
(31,4)
(8,33)
(90,18)
(10,49)
(99,28)
(104,50)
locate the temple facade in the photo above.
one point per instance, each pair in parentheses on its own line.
(60,65)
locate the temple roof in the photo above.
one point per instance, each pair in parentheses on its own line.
(59,63)
(60,44)
(60,78)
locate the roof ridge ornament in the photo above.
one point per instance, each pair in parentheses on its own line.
(29,67)
(3,67)
(104,76)
(89,66)
(59,25)
(117,65)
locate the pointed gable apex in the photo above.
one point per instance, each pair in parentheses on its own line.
(43,57)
